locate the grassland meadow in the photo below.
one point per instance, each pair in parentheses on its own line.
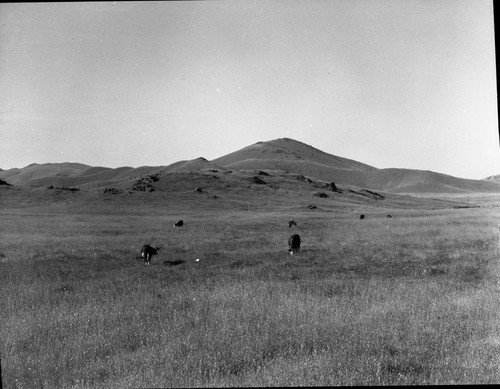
(409,300)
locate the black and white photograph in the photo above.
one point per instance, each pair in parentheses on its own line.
(242,193)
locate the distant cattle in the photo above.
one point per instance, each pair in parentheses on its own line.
(292,223)
(294,243)
(198,190)
(147,252)
(362,216)
(389,217)
(180,223)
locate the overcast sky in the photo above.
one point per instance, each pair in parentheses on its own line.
(390,83)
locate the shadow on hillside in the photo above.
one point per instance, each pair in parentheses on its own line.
(173,263)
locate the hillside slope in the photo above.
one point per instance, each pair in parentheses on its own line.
(495,178)
(287,154)
(281,156)
(293,156)
(190,165)
(424,181)
(34,172)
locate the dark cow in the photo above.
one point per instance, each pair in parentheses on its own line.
(147,252)
(294,243)
(389,217)
(180,223)
(362,216)
(292,223)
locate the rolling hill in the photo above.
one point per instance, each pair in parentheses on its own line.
(495,178)
(293,156)
(288,154)
(31,173)
(280,156)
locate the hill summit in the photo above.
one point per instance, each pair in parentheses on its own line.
(290,155)
(293,156)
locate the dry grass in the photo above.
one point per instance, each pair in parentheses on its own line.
(408,300)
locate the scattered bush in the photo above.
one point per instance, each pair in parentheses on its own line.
(63,188)
(333,187)
(111,191)
(257,180)
(145,184)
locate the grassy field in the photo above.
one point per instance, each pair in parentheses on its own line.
(408,300)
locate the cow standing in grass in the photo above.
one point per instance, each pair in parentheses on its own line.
(147,252)
(294,243)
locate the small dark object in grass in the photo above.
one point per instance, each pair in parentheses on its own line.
(174,262)
(64,288)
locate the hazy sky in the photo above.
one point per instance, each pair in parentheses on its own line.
(390,83)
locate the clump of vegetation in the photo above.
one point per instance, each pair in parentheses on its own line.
(368,193)
(145,184)
(154,177)
(321,194)
(111,191)
(300,177)
(257,180)
(331,186)
(375,195)
(63,188)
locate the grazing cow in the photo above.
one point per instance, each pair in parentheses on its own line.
(147,252)
(362,216)
(389,217)
(180,223)
(294,243)
(292,223)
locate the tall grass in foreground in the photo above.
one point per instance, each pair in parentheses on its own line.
(258,333)
(362,304)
